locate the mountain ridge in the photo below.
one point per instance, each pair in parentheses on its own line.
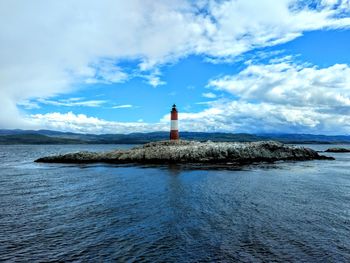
(18,136)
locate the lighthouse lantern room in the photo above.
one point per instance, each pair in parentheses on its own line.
(174,128)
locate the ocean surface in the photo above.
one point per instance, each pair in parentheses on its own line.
(283,212)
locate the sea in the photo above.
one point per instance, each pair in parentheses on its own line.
(281,212)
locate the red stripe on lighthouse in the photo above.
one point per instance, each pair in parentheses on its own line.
(174,129)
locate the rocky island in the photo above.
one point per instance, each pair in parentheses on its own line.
(338,150)
(181,151)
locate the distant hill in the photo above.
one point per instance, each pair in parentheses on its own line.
(35,139)
(55,137)
(307,138)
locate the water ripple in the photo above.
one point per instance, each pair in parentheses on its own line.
(284,212)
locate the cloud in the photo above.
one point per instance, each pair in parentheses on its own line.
(244,25)
(154,81)
(282,97)
(287,83)
(242,116)
(85,124)
(48,48)
(28,105)
(73,102)
(104,71)
(153,78)
(339,4)
(209,95)
(221,116)
(122,106)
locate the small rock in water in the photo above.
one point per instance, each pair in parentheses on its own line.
(337,150)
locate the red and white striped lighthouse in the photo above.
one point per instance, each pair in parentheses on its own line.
(174,128)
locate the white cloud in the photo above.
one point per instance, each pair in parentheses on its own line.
(285,97)
(104,71)
(340,4)
(28,105)
(290,84)
(221,115)
(153,78)
(155,81)
(73,102)
(243,25)
(242,116)
(122,106)
(50,47)
(209,95)
(85,124)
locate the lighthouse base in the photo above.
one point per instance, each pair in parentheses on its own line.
(174,135)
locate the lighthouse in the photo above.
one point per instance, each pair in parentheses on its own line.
(174,128)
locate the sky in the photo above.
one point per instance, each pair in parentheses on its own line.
(115,66)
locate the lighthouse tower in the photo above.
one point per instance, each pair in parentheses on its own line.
(174,128)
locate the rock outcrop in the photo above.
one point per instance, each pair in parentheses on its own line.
(337,150)
(193,152)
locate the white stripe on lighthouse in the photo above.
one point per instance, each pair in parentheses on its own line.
(174,125)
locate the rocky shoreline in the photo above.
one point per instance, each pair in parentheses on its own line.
(181,151)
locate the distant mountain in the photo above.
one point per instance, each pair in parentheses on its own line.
(35,139)
(307,138)
(55,137)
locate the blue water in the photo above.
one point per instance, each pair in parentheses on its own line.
(295,211)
